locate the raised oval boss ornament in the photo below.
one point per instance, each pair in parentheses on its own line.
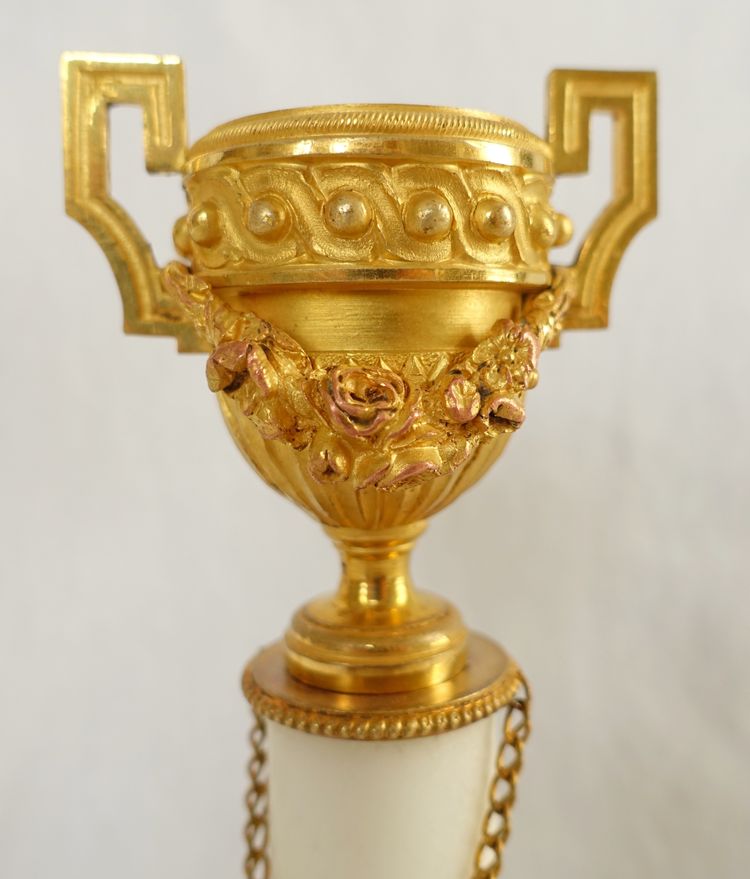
(373,288)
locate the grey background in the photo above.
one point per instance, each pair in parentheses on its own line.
(142,562)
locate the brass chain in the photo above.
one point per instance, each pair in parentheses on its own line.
(495,826)
(257,864)
(502,794)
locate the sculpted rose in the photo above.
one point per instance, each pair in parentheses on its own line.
(361,400)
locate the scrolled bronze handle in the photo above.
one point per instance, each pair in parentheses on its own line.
(91,84)
(630,97)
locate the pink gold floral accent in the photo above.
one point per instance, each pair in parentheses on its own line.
(361,401)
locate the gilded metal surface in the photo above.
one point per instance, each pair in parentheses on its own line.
(630,98)
(373,221)
(485,685)
(457,322)
(377,426)
(380,421)
(91,83)
(469,134)
(377,635)
(374,286)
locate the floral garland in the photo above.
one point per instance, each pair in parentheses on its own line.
(367,422)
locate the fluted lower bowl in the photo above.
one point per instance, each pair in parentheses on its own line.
(343,503)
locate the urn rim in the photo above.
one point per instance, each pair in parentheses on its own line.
(429,132)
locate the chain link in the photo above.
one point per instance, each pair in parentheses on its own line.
(502,794)
(257,864)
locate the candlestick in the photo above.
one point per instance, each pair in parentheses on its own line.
(373,289)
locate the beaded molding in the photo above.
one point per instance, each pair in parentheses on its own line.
(384,725)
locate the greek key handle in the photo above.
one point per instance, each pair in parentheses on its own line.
(631,100)
(92,83)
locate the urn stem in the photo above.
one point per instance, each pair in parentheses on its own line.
(375,567)
(377,634)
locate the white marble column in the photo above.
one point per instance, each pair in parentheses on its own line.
(378,810)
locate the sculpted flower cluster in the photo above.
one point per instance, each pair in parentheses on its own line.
(490,383)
